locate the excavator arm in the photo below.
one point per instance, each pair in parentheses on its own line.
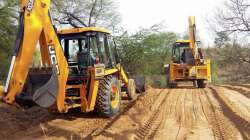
(192,36)
(36,27)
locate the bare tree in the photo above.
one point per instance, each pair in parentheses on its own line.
(231,21)
(79,13)
(234,16)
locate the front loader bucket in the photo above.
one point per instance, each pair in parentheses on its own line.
(46,95)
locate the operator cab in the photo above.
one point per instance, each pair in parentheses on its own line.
(181,52)
(86,47)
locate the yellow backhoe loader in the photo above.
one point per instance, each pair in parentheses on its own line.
(80,66)
(188,61)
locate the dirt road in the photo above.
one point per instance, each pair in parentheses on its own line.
(166,114)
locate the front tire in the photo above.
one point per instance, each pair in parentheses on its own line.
(108,97)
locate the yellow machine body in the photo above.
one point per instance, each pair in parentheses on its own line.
(188,61)
(179,72)
(36,27)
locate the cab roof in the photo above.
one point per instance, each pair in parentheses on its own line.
(183,41)
(82,30)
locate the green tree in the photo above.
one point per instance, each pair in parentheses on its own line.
(221,39)
(7,35)
(146,51)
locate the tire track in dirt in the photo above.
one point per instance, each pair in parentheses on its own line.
(202,106)
(215,129)
(184,107)
(190,124)
(177,113)
(237,97)
(149,129)
(242,85)
(68,126)
(181,111)
(186,113)
(101,130)
(215,118)
(187,121)
(172,109)
(241,123)
(172,116)
(240,90)
(125,126)
(171,106)
(194,107)
(190,111)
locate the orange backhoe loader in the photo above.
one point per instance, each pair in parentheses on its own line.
(80,66)
(188,61)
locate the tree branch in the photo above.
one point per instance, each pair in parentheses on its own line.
(92,12)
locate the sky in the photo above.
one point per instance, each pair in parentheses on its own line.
(173,13)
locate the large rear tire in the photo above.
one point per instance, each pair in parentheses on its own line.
(167,80)
(109,97)
(201,83)
(172,85)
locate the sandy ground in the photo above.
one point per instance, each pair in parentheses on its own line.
(185,113)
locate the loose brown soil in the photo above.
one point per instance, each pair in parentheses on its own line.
(165,114)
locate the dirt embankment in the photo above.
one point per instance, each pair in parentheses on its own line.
(37,123)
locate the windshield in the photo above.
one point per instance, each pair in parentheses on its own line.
(72,47)
(181,53)
(94,46)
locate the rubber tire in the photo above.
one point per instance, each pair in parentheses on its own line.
(131,89)
(201,84)
(103,102)
(167,77)
(168,82)
(172,85)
